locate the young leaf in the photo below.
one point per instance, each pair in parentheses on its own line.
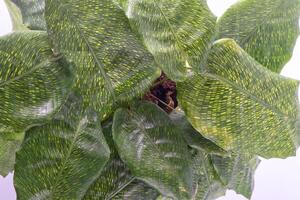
(237,172)
(240,105)
(15,16)
(32,13)
(33,83)
(59,160)
(154,149)
(9,144)
(176,32)
(267,29)
(111,62)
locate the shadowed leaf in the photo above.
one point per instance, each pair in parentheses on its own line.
(153,149)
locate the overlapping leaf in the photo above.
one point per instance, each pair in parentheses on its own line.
(33,83)
(176,32)
(111,62)
(9,144)
(59,160)
(193,137)
(237,172)
(154,149)
(267,29)
(240,105)
(15,16)
(32,13)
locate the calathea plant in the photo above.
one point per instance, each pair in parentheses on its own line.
(144,99)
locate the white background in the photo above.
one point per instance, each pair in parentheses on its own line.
(275,179)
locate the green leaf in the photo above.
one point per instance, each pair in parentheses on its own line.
(193,137)
(137,190)
(15,16)
(240,105)
(176,32)
(33,83)
(32,13)
(153,149)
(59,160)
(237,172)
(267,29)
(9,144)
(209,186)
(111,62)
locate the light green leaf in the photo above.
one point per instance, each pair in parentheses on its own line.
(267,29)
(15,16)
(240,105)
(111,62)
(176,32)
(9,144)
(153,149)
(59,160)
(32,13)
(237,172)
(193,137)
(33,83)
(209,186)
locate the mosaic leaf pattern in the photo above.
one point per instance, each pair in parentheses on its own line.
(9,144)
(33,83)
(111,62)
(153,149)
(237,172)
(238,104)
(68,160)
(176,32)
(267,29)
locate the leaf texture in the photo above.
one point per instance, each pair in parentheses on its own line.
(240,105)
(267,30)
(9,144)
(32,13)
(61,161)
(176,32)
(237,172)
(33,83)
(111,62)
(154,149)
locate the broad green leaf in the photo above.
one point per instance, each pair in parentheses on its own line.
(33,83)
(193,137)
(29,12)
(267,29)
(137,190)
(176,32)
(9,144)
(114,177)
(15,16)
(209,186)
(240,105)
(154,149)
(237,172)
(111,62)
(59,160)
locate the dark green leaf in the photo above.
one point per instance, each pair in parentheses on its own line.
(237,172)
(176,32)
(153,149)
(59,160)
(267,29)
(33,83)
(111,62)
(240,105)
